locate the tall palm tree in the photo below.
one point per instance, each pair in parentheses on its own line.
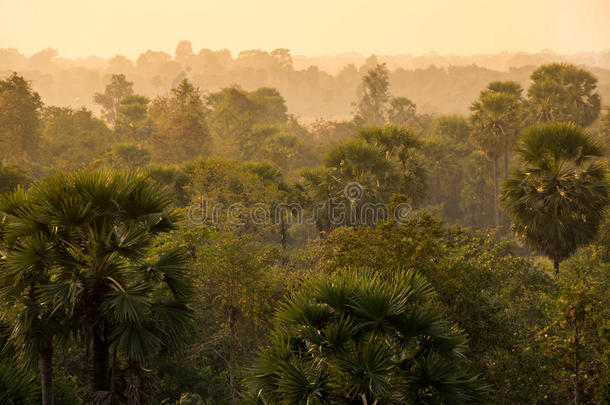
(494,119)
(26,263)
(556,199)
(103,225)
(363,338)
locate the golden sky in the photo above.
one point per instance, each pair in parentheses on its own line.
(313,27)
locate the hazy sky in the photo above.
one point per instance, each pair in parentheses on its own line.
(312,27)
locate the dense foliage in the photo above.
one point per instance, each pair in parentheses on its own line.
(211,248)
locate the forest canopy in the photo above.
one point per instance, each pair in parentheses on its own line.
(200,228)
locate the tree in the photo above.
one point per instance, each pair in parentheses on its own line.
(455,127)
(379,163)
(495,117)
(362,338)
(111,98)
(286,150)
(514,114)
(128,156)
(402,111)
(562,92)
(20,108)
(119,300)
(11,177)
(577,313)
(26,265)
(181,130)
(283,57)
(371,106)
(477,194)
(239,284)
(236,116)
(73,138)
(133,120)
(556,200)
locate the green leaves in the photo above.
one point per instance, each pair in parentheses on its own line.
(563,93)
(355,338)
(556,199)
(74,261)
(16,386)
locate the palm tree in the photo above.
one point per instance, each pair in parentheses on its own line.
(363,338)
(27,260)
(380,162)
(494,119)
(16,386)
(556,200)
(103,225)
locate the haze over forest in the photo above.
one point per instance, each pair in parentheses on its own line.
(323,86)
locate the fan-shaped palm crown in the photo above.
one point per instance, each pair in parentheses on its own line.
(358,338)
(90,234)
(556,199)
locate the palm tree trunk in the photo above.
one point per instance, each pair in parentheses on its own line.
(505,163)
(232,355)
(101,349)
(496,211)
(282,233)
(46,373)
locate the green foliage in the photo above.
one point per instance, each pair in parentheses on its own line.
(477,195)
(180,128)
(371,106)
(363,338)
(100,277)
(556,200)
(110,101)
(16,386)
(133,121)
(380,162)
(73,138)
(402,112)
(65,391)
(498,298)
(11,177)
(563,93)
(128,156)
(20,108)
(84,240)
(495,120)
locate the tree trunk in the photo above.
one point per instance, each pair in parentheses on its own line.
(101,376)
(556,266)
(496,210)
(282,233)
(46,373)
(232,355)
(505,163)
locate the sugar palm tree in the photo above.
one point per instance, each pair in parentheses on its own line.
(103,225)
(556,199)
(494,117)
(16,386)
(26,263)
(360,338)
